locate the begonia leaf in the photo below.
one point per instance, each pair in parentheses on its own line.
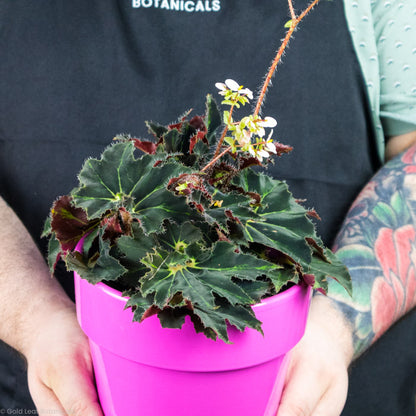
(213,119)
(69,223)
(284,225)
(136,246)
(179,237)
(202,276)
(139,305)
(118,180)
(333,268)
(54,252)
(280,223)
(215,323)
(156,129)
(256,289)
(105,268)
(145,146)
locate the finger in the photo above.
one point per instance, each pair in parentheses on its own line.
(75,387)
(331,403)
(302,392)
(45,400)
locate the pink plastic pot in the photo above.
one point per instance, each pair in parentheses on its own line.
(144,369)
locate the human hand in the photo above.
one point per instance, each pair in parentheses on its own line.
(60,372)
(317,377)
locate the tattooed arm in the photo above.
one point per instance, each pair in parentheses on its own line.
(378,244)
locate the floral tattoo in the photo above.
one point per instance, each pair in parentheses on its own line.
(378,244)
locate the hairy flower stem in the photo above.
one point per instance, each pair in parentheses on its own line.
(216,158)
(292,10)
(294,23)
(276,60)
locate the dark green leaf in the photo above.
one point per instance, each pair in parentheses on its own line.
(200,148)
(156,129)
(200,273)
(215,322)
(135,247)
(106,268)
(229,205)
(227,262)
(47,228)
(172,317)
(283,276)
(223,286)
(256,289)
(89,241)
(107,183)
(139,305)
(118,179)
(175,142)
(169,274)
(153,208)
(332,268)
(54,252)
(213,119)
(281,223)
(179,237)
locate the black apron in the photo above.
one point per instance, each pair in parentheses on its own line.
(76,73)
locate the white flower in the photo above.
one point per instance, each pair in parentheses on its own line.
(252,151)
(260,131)
(270,147)
(229,84)
(268,122)
(222,87)
(261,154)
(232,85)
(233,92)
(247,92)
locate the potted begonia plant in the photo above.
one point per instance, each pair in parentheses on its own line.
(193,271)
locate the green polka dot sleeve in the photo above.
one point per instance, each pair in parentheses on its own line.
(384,37)
(395,31)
